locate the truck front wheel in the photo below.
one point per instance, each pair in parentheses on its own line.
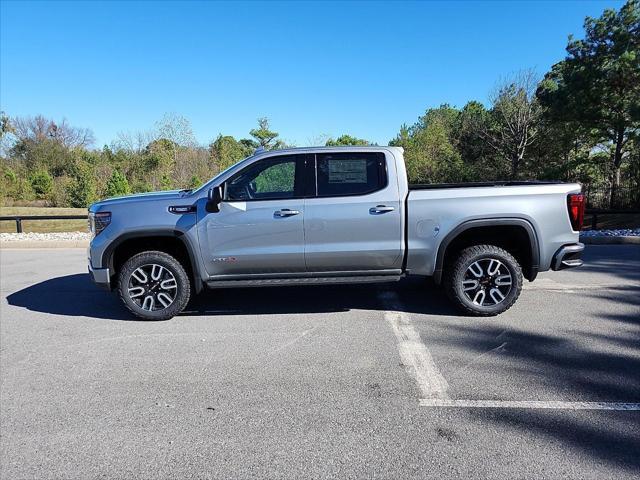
(485,280)
(153,285)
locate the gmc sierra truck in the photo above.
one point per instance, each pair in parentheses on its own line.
(332,216)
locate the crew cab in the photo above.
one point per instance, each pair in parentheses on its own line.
(332,216)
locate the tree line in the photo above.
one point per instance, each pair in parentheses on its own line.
(578,122)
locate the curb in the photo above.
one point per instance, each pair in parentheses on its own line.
(610,240)
(8,245)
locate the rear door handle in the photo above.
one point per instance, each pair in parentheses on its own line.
(378,209)
(285,212)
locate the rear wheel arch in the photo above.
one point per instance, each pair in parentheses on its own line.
(515,235)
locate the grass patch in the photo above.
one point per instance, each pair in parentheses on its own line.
(43,226)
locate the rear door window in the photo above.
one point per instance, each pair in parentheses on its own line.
(350,173)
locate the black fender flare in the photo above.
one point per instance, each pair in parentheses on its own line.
(490,222)
(107,254)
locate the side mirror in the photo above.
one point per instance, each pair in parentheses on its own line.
(214,197)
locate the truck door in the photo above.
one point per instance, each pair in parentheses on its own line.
(259,228)
(353,222)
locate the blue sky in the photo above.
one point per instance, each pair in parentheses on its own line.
(312,68)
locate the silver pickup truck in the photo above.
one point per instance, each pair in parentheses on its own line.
(332,216)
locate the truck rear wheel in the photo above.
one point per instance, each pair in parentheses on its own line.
(485,280)
(154,285)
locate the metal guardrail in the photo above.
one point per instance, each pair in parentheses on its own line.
(19,218)
(594,212)
(599,197)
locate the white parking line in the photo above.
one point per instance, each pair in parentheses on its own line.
(427,402)
(413,353)
(433,386)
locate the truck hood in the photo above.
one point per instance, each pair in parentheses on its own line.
(139,197)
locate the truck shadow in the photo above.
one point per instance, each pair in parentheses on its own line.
(70,295)
(415,296)
(75,295)
(569,363)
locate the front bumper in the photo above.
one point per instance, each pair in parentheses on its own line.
(100,276)
(569,256)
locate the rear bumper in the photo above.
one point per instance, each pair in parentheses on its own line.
(100,276)
(568,256)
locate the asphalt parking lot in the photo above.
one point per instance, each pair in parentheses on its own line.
(314,382)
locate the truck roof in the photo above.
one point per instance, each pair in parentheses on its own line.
(339,148)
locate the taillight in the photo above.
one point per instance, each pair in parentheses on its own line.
(575,205)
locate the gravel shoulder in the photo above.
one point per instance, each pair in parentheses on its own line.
(45,240)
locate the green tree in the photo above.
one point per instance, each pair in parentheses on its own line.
(141,186)
(117,185)
(15,187)
(346,140)
(43,154)
(445,115)
(597,85)
(431,155)
(165,182)
(81,190)
(264,136)
(195,182)
(42,183)
(5,125)
(225,151)
(478,157)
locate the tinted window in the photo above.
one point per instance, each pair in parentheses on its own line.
(354,173)
(269,179)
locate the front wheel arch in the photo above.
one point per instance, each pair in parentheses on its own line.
(172,242)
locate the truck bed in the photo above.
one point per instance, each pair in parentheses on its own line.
(433,211)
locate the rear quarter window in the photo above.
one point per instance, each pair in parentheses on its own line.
(343,174)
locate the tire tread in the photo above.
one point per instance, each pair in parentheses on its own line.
(152,256)
(459,267)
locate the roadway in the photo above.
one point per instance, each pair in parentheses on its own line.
(315,382)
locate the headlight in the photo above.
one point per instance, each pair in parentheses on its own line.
(98,222)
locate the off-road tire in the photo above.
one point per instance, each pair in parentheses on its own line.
(183,286)
(455,276)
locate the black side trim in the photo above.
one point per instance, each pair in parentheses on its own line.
(490,222)
(107,256)
(405,257)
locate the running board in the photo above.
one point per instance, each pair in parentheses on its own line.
(266,282)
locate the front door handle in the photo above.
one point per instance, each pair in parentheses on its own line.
(378,209)
(285,212)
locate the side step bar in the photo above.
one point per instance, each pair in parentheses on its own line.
(264,282)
